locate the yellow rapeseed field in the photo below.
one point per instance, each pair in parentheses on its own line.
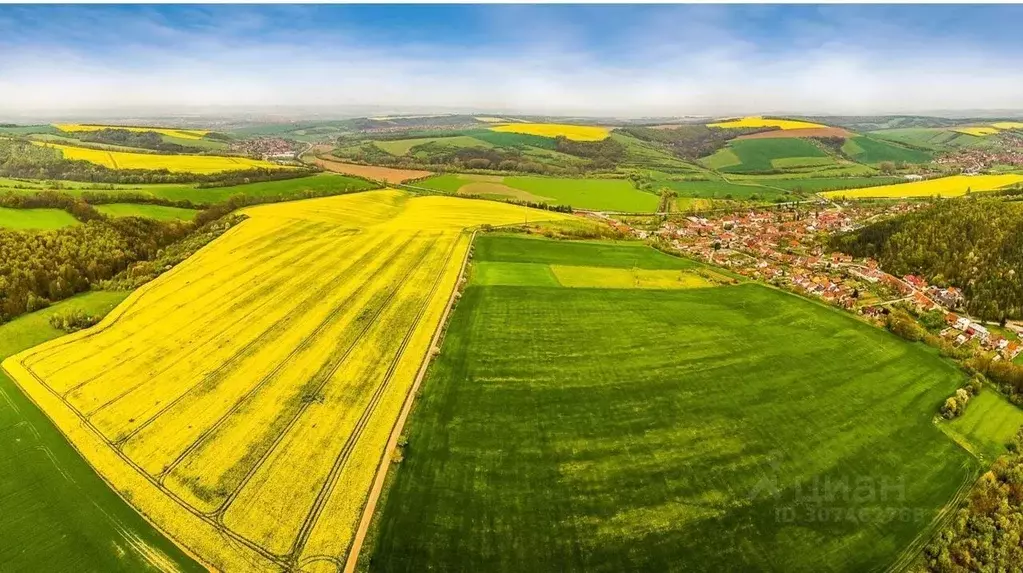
(243,400)
(953,186)
(757,121)
(573,132)
(172,132)
(977,131)
(201,164)
(1008,125)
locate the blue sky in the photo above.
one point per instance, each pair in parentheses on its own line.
(568,59)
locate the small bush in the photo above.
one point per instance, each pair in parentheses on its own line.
(72,320)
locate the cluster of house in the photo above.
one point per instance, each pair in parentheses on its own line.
(780,246)
(266,148)
(974,160)
(961,330)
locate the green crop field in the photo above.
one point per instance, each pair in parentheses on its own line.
(932,138)
(503,139)
(598,194)
(989,424)
(753,155)
(35,219)
(202,143)
(729,428)
(58,515)
(403,146)
(868,150)
(158,212)
(29,130)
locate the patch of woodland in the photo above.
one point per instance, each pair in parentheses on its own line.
(975,244)
(690,142)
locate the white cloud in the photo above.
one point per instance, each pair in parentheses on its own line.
(702,68)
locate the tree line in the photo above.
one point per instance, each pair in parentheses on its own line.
(985,534)
(975,244)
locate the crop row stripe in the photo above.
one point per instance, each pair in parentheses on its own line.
(255,293)
(273,331)
(126,312)
(343,456)
(340,306)
(325,378)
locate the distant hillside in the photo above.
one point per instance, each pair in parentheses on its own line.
(875,122)
(975,244)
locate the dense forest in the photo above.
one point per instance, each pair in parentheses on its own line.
(975,244)
(986,534)
(39,268)
(690,142)
(23,160)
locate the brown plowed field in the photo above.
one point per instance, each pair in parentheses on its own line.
(813,132)
(385,174)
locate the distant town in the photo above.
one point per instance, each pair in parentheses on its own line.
(784,247)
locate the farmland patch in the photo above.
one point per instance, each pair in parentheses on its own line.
(386,174)
(158,212)
(757,121)
(800,132)
(869,150)
(573,132)
(597,194)
(988,426)
(35,219)
(242,400)
(66,518)
(765,155)
(201,164)
(953,186)
(604,429)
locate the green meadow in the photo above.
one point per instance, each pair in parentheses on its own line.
(58,515)
(764,155)
(988,426)
(596,194)
(733,428)
(158,212)
(35,219)
(868,150)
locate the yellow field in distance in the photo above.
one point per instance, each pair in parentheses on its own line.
(243,400)
(953,186)
(201,164)
(573,132)
(172,132)
(756,121)
(1008,125)
(976,131)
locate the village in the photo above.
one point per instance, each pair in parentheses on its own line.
(786,248)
